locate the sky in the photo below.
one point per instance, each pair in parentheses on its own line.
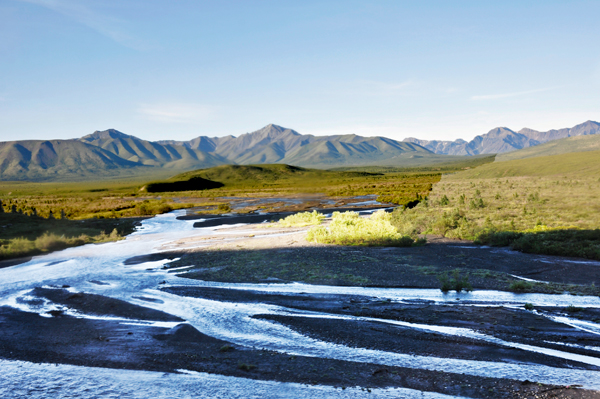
(181,69)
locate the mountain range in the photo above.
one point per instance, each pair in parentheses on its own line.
(112,153)
(502,139)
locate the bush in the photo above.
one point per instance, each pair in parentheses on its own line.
(456,283)
(50,242)
(349,228)
(543,240)
(521,285)
(302,219)
(528,306)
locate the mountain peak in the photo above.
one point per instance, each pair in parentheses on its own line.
(105,134)
(271,129)
(499,131)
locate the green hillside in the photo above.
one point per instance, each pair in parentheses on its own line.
(580,164)
(562,146)
(233,176)
(445,163)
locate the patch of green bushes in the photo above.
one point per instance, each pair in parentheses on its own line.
(521,286)
(349,228)
(456,282)
(542,240)
(302,219)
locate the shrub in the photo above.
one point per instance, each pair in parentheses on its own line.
(444,200)
(456,283)
(349,228)
(520,285)
(528,306)
(302,219)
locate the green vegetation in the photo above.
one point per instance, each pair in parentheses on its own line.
(349,228)
(22,235)
(520,286)
(49,203)
(542,240)
(277,180)
(86,200)
(528,306)
(581,164)
(555,147)
(302,219)
(450,163)
(456,283)
(557,214)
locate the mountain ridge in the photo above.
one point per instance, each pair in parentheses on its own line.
(109,152)
(503,139)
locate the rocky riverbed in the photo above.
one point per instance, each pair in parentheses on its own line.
(254,304)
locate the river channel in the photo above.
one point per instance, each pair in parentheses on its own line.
(102,271)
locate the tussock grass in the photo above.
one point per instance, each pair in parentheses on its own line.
(302,219)
(349,228)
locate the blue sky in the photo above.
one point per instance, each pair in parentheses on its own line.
(181,69)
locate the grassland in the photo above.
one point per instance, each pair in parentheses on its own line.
(281,180)
(450,165)
(67,211)
(555,147)
(525,203)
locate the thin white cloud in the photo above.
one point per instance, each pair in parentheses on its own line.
(508,95)
(177,112)
(82,13)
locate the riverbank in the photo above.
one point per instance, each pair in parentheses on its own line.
(23,236)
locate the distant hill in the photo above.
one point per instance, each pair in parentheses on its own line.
(502,139)
(150,153)
(573,164)
(562,146)
(57,159)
